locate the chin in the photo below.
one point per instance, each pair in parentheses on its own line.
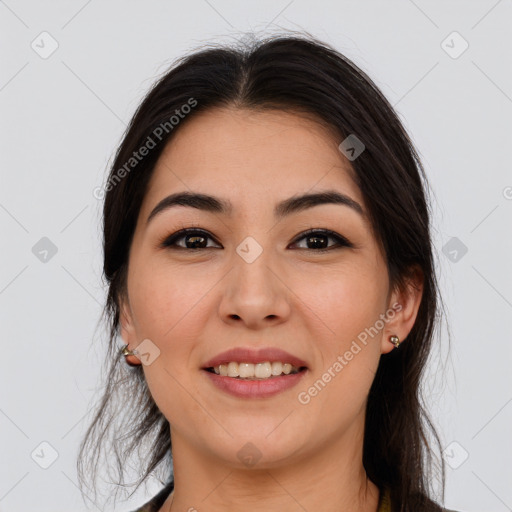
(258,451)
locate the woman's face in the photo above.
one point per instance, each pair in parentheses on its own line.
(256,282)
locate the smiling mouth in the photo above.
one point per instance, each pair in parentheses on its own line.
(247,371)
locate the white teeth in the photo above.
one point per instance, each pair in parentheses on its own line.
(277,368)
(233,370)
(254,371)
(262,370)
(245,370)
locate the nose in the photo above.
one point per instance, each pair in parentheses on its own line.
(254,294)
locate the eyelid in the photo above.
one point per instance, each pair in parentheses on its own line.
(326,232)
(169,240)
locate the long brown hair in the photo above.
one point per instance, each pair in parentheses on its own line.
(294,73)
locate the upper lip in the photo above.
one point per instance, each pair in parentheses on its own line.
(251,355)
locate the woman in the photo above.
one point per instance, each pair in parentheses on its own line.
(268,253)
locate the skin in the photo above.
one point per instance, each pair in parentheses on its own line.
(193,305)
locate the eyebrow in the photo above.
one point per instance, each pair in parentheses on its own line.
(285,208)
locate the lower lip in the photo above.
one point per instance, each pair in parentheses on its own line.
(255,388)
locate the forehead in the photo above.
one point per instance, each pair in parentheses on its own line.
(246,155)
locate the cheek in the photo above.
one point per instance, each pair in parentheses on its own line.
(344,306)
(170,308)
(348,301)
(344,302)
(166,302)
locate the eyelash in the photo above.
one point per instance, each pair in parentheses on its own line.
(170,241)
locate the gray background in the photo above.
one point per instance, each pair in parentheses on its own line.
(62,117)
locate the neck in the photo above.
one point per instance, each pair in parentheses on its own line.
(330,479)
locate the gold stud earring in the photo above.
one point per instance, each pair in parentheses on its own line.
(395,340)
(130,357)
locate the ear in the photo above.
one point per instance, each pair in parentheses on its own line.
(127,328)
(405,304)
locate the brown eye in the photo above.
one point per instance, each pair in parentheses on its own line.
(317,240)
(194,239)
